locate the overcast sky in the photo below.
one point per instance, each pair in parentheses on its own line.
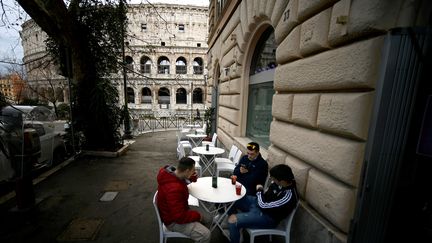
(10,25)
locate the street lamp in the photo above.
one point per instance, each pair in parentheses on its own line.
(205,85)
(127,132)
(191,99)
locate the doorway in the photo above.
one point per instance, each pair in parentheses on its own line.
(394,199)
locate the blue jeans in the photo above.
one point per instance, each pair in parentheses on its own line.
(251,217)
(243,204)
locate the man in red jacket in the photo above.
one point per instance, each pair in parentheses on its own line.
(172,201)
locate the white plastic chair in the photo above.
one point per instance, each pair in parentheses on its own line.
(185,143)
(284,231)
(181,153)
(165,233)
(230,157)
(213,141)
(228,165)
(203,129)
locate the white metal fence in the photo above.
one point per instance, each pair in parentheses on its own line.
(163,120)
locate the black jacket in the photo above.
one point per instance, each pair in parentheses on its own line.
(278,202)
(258,170)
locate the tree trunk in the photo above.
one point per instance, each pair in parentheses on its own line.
(61,25)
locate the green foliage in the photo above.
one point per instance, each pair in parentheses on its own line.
(96,112)
(102,26)
(208,118)
(63,111)
(103,125)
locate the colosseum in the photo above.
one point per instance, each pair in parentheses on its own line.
(166,48)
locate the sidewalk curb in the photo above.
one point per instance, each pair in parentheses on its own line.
(107,154)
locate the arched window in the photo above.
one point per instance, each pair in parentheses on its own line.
(181,96)
(163,65)
(198,65)
(130,95)
(145,65)
(181,67)
(261,89)
(129,63)
(197,97)
(164,96)
(146,96)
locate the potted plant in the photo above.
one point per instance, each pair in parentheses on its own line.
(208,118)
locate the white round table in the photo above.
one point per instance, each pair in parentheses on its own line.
(224,193)
(212,150)
(196,138)
(213,200)
(207,157)
(193,125)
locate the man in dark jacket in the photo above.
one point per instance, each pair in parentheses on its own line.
(270,207)
(252,169)
(172,201)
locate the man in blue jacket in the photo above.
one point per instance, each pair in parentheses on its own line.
(252,169)
(269,207)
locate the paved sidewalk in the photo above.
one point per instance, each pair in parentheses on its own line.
(68,201)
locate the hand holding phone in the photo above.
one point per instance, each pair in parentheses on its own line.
(243,169)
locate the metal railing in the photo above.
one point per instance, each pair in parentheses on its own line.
(148,121)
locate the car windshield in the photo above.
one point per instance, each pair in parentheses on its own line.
(16,114)
(34,113)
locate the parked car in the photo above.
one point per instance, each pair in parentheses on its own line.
(19,149)
(6,170)
(42,120)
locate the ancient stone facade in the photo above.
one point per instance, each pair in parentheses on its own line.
(43,78)
(166,46)
(328,55)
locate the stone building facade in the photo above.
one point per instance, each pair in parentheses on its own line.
(166,48)
(305,79)
(42,76)
(12,88)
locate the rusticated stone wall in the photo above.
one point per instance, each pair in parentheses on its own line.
(328,55)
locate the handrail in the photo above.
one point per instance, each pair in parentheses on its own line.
(144,122)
